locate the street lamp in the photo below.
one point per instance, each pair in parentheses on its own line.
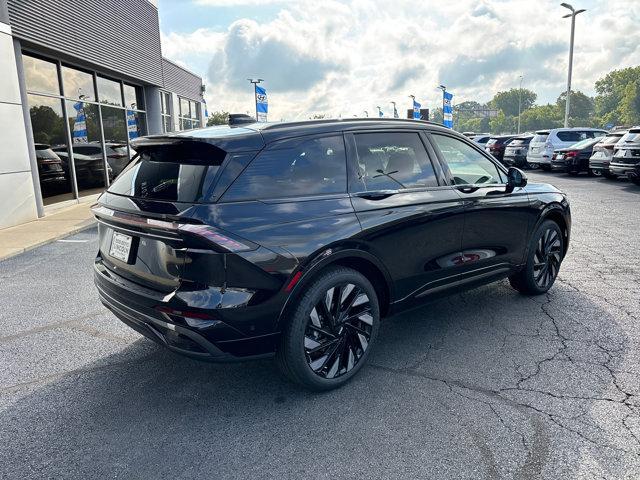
(366,114)
(520,101)
(573,14)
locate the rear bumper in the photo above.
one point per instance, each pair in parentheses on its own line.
(215,341)
(539,160)
(515,160)
(602,165)
(623,169)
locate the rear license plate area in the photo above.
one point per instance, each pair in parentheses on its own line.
(120,247)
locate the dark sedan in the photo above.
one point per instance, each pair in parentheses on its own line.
(574,159)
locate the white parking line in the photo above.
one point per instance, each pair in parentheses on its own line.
(73,241)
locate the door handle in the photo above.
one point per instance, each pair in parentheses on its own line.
(376,195)
(467,188)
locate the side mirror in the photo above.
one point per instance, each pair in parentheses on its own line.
(516,178)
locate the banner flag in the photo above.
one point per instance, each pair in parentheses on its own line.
(395,111)
(447,109)
(262,106)
(132,125)
(416,110)
(380,114)
(79,133)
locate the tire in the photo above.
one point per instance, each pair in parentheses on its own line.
(546,168)
(543,261)
(636,180)
(330,331)
(573,173)
(595,172)
(609,176)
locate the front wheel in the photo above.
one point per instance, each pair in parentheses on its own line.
(543,261)
(330,331)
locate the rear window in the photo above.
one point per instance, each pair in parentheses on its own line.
(46,154)
(294,167)
(492,141)
(630,136)
(540,137)
(583,143)
(175,173)
(611,139)
(519,141)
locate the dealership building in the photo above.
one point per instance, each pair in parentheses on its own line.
(79,80)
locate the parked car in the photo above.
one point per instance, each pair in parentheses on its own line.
(481,139)
(626,157)
(574,159)
(496,145)
(295,239)
(545,142)
(515,154)
(603,153)
(52,176)
(89,166)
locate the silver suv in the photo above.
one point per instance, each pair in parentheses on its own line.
(546,141)
(603,152)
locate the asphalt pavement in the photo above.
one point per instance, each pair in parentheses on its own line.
(485,384)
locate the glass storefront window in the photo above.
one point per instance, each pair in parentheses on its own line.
(40,75)
(78,84)
(115,139)
(87,146)
(47,121)
(109,91)
(133,97)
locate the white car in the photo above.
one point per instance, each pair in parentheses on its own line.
(546,141)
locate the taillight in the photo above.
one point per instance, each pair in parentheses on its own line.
(571,154)
(215,236)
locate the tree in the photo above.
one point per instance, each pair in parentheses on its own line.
(541,116)
(581,109)
(502,123)
(218,118)
(611,90)
(508,101)
(629,106)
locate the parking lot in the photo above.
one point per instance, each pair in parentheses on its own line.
(485,384)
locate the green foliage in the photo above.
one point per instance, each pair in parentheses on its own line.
(615,100)
(541,116)
(581,109)
(218,118)
(503,123)
(508,101)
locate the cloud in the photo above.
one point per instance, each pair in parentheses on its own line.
(343,57)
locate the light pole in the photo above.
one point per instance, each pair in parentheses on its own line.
(395,110)
(573,14)
(519,102)
(444,89)
(255,98)
(379,111)
(366,114)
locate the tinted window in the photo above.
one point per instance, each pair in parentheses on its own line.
(576,135)
(296,167)
(611,139)
(388,161)
(184,173)
(467,165)
(492,141)
(519,141)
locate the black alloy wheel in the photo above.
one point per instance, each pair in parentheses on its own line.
(331,330)
(545,256)
(338,331)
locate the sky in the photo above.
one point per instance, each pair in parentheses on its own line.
(344,57)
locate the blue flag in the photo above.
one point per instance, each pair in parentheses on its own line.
(79,134)
(132,125)
(416,110)
(262,106)
(380,114)
(447,110)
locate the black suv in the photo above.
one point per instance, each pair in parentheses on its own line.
(515,154)
(297,238)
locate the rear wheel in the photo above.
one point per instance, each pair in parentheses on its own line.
(608,175)
(543,261)
(330,332)
(595,172)
(546,168)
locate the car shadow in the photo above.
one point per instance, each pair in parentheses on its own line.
(497,374)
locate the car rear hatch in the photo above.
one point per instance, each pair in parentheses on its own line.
(146,224)
(517,147)
(538,145)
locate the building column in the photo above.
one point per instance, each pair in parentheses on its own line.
(18,202)
(154,109)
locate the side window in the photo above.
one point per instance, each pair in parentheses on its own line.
(393,160)
(467,165)
(296,167)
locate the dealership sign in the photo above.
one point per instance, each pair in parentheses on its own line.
(447,109)
(262,105)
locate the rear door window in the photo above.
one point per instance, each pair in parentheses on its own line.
(295,167)
(571,136)
(392,161)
